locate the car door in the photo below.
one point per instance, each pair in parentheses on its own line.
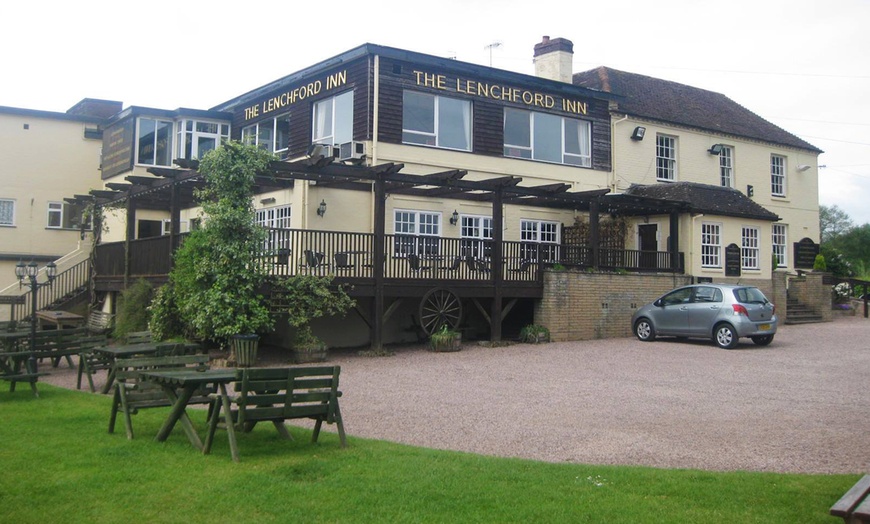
(672,313)
(704,310)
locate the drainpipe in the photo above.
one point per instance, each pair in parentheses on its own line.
(613,151)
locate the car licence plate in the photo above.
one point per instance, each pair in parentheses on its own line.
(764,327)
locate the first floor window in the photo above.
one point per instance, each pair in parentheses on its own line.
(548,138)
(416,232)
(726,167)
(273,135)
(333,120)
(476,232)
(436,121)
(777,175)
(711,245)
(749,248)
(64,216)
(666,158)
(197,137)
(779,239)
(539,236)
(7,212)
(154,142)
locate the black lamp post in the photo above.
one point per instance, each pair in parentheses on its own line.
(31,271)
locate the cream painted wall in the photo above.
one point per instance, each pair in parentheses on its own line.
(50,160)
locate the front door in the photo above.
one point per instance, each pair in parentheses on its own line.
(649,245)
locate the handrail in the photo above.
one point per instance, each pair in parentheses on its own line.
(65,283)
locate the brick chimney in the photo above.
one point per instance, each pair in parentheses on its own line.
(553,59)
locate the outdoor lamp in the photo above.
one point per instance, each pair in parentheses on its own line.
(51,270)
(638,133)
(32,270)
(716,149)
(454,218)
(321,209)
(20,271)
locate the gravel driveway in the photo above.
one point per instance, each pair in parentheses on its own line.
(798,405)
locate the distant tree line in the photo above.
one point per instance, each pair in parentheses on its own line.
(846,247)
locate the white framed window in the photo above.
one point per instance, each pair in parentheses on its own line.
(7,212)
(548,138)
(749,248)
(540,235)
(436,121)
(726,167)
(64,216)
(666,157)
(416,232)
(274,219)
(777,175)
(154,142)
(779,239)
(194,138)
(711,245)
(333,120)
(273,135)
(476,236)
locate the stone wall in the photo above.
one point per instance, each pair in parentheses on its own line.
(810,290)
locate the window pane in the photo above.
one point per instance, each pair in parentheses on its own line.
(517,133)
(146,140)
(344,118)
(323,122)
(577,143)
(548,137)
(55,214)
(7,212)
(164,144)
(418,112)
(282,132)
(454,123)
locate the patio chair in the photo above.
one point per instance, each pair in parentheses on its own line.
(457,261)
(314,259)
(414,262)
(342,261)
(524,266)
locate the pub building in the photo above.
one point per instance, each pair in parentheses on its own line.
(424,181)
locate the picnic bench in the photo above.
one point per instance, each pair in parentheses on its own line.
(54,344)
(14,370)
(275,395)
(854,506)
(133,393)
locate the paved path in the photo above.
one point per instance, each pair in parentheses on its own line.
(801,404)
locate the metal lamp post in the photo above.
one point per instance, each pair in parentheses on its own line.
(31,271)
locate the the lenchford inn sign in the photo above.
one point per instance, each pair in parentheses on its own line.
(296,94)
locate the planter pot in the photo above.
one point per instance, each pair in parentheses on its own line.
(442,343)
(245,349)
(307,356)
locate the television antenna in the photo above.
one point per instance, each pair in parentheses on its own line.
(491,47)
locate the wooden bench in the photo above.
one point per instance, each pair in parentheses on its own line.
(133,393)
(854,506)
(13,369)
(57,344)
(99,322)
(138,337)
(275,395)
(91,361)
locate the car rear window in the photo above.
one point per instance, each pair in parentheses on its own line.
(750,295)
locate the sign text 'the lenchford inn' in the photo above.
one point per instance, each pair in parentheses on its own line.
(499,92)
(296,94)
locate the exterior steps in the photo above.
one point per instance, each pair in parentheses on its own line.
(797,313)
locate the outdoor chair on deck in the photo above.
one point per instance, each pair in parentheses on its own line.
(342,261)
(457,261)
(414,262)
(524,266)
(314,260)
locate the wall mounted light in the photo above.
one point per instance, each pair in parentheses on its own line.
(454,218)
(716,149)
(270,200)
(750,191)
(803,167)
(321,209)
(638,133)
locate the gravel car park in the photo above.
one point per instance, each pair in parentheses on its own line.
(721,312)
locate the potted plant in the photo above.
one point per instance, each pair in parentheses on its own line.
(534,334)
(307,347)
(306,297)
(445,339)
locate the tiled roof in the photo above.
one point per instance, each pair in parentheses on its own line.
(704,198)
(680,104)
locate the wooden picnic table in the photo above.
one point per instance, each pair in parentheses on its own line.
(60,319)
(124,351)
(187,382)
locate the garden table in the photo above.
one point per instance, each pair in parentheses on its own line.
(113,353)
(179,387)
(60,319)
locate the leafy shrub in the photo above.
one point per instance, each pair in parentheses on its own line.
(133,308)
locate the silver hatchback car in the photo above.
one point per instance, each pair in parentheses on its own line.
(721,312)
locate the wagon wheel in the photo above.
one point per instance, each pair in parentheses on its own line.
(439,307)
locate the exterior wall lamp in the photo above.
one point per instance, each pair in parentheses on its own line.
(803,167)
(31,271)
(454,218)
(638,133)
(321,209)
(750,191)
(716,149)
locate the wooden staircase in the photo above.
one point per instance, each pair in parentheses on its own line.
(797,313)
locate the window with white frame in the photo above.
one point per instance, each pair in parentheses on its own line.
(779,239)
(154,142)
(7,212)
(273,135)
(194,138)
(548,138)
(416,232)
(749,248)
(777,175)
(666,157)
(65,216)
(539,235)
(711,245)
(726,167)
(476,236)
(333,120)
(436,121)
(274,219)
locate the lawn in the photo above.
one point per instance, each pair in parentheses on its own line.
(59,464)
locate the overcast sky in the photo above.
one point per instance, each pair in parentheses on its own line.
(801,64)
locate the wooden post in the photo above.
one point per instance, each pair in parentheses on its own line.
(674,244)
(378,259)
(128,236)
(497,265)
(594,233)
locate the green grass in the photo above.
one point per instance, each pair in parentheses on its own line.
(59,464)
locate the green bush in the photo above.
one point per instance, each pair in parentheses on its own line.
(819,264)
(133,308)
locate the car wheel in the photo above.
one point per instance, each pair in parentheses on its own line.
(762,340)
(644,330)
(725,336)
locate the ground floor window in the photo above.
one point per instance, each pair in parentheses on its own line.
(779,239)
(64,216)
(274,219)
(476,232)
(749,248)
(711,245)
(539,235)
(416,232)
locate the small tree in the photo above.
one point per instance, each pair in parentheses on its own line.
(306,297)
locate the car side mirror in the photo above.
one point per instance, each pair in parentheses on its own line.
(658,303)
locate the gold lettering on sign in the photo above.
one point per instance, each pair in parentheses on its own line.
(296,94)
